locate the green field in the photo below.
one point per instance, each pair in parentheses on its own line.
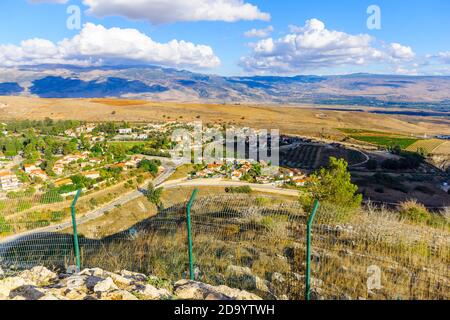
(386,141)
(127,144)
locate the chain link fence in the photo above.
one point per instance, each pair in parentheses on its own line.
(254,242)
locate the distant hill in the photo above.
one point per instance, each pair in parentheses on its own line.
(166,84)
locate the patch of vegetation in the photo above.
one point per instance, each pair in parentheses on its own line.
(386,141)
(241,189)
(332,185)
(414,212)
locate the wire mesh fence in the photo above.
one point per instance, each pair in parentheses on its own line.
(254,242)
(374,254)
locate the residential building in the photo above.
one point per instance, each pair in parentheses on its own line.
(92,174)
(8,181)
(28,168)
(39,173)
(125,131)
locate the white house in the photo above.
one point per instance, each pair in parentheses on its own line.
(8,181)
(92,174)
(125,131)
(29,168)
(39,173)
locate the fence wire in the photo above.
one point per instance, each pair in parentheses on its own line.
(252,242)
(376,255)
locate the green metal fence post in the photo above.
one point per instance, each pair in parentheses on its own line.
(308,250)
(76,245)
(189,234)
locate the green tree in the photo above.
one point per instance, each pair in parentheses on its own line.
(332,185)
(151,166)
(154,195)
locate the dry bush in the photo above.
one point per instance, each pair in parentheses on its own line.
(414,211)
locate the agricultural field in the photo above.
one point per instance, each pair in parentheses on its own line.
(304,156)
(310,156)
(443,148)
(379,138)
(119,102)
(425,145)
(292,120)
(127,144)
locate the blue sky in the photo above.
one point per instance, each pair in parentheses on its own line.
(331,36)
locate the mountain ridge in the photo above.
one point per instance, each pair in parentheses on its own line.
(164,84)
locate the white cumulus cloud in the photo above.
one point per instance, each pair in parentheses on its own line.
(96,45)
(444,57)
(313,46)
(399,51)
(165,11)
(259,33)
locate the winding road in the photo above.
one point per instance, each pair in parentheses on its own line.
(170,168)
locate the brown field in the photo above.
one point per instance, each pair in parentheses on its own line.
(300,120)
(428,145)
(119,102)
(443,148)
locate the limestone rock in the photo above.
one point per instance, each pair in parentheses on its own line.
(237,294)
(27,292)
(186,289)
(9,284)
(277,277)
(193,290)
(120,281)
(39,275)
(134,276)
(243,278)
(148,292)
(117,295)
(105,285)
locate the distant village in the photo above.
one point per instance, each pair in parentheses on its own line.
(93,155)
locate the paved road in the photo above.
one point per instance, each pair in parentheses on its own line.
(96,213)
(270,188)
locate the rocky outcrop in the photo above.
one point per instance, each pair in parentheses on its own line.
(39,283)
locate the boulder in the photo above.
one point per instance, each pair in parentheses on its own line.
(193,290)
(237,294)
(9,284)
(243,278)
(105,285)
(134,276)
(75,282)
(117,295)
(149,292)
(39,275)
(120,281)
(27,292)
(277,277)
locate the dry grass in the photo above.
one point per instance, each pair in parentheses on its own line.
(443,149)
(298,120)
(269,238)
(428,145)
(119,102)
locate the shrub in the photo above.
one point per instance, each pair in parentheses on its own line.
(243,189)
(414,212)
(5,227)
